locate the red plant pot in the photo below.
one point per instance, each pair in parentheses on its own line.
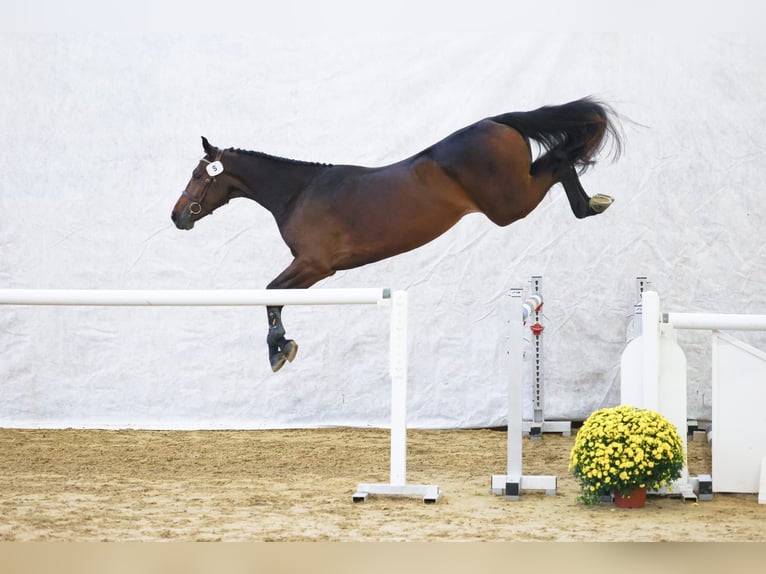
(636,499)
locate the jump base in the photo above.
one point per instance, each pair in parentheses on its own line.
(511,487)
(534,429)
(430,493)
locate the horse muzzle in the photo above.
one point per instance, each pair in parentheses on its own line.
(182,219)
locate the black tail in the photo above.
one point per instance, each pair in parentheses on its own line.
(579,129)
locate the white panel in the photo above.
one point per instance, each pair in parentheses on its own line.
(672,387)
(631,374)
(668,390)
(739,416)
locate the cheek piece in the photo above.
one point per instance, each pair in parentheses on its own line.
(213,169)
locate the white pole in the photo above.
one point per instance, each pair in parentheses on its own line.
(399,388)
(397,485)
(715,321)
(650,333)
(515,379)
(186,298)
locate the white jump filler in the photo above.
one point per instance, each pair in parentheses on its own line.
(397,301)
(654,376)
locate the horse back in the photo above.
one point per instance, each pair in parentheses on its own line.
(351,215)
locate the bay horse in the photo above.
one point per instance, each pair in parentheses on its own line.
(336,217)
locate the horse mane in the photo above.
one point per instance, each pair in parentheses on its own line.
(277,158)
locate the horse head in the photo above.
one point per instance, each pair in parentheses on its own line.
(209,188)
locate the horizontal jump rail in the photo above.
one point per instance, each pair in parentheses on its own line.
(715,321)
(194,298)
(396,301)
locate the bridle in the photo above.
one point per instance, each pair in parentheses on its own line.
(214,168)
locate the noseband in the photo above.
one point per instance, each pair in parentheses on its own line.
(214,168)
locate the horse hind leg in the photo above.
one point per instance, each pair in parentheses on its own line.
(582,205)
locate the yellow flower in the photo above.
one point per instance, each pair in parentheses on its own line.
(622,446)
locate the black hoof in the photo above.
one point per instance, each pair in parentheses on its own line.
(290,349)
(277,361)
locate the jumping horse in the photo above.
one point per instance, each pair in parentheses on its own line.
(343,216)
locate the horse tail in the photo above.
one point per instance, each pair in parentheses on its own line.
(580,129)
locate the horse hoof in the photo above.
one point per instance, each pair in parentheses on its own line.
(277,361)
(290,349)
(599,203)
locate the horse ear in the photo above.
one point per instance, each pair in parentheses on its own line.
(208,147)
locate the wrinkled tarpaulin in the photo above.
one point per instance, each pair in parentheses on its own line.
(105,132)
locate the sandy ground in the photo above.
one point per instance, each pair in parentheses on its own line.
(297,485)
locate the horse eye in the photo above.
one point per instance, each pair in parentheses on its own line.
(196,175)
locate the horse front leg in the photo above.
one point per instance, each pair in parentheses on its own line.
(281,349)
(300,274)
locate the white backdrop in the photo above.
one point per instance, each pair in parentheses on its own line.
(101,132)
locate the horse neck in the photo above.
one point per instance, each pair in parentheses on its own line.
(273,182)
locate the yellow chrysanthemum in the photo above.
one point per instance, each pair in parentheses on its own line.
(620,447)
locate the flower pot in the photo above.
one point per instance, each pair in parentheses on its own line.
(636,499)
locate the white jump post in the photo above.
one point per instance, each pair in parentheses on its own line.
(263,297)
(513,481)
(398,486)
(653,376)
(538,425)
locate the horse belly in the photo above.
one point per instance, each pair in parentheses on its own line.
(398,219)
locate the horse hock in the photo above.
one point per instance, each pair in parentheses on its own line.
(281,349)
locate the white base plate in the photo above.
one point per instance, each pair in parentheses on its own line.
(563,427)
(429,492)
(546,483)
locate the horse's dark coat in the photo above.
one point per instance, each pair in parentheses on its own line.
(343,216)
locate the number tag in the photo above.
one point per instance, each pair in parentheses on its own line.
(214,168)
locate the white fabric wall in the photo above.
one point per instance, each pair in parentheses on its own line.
(101,132)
